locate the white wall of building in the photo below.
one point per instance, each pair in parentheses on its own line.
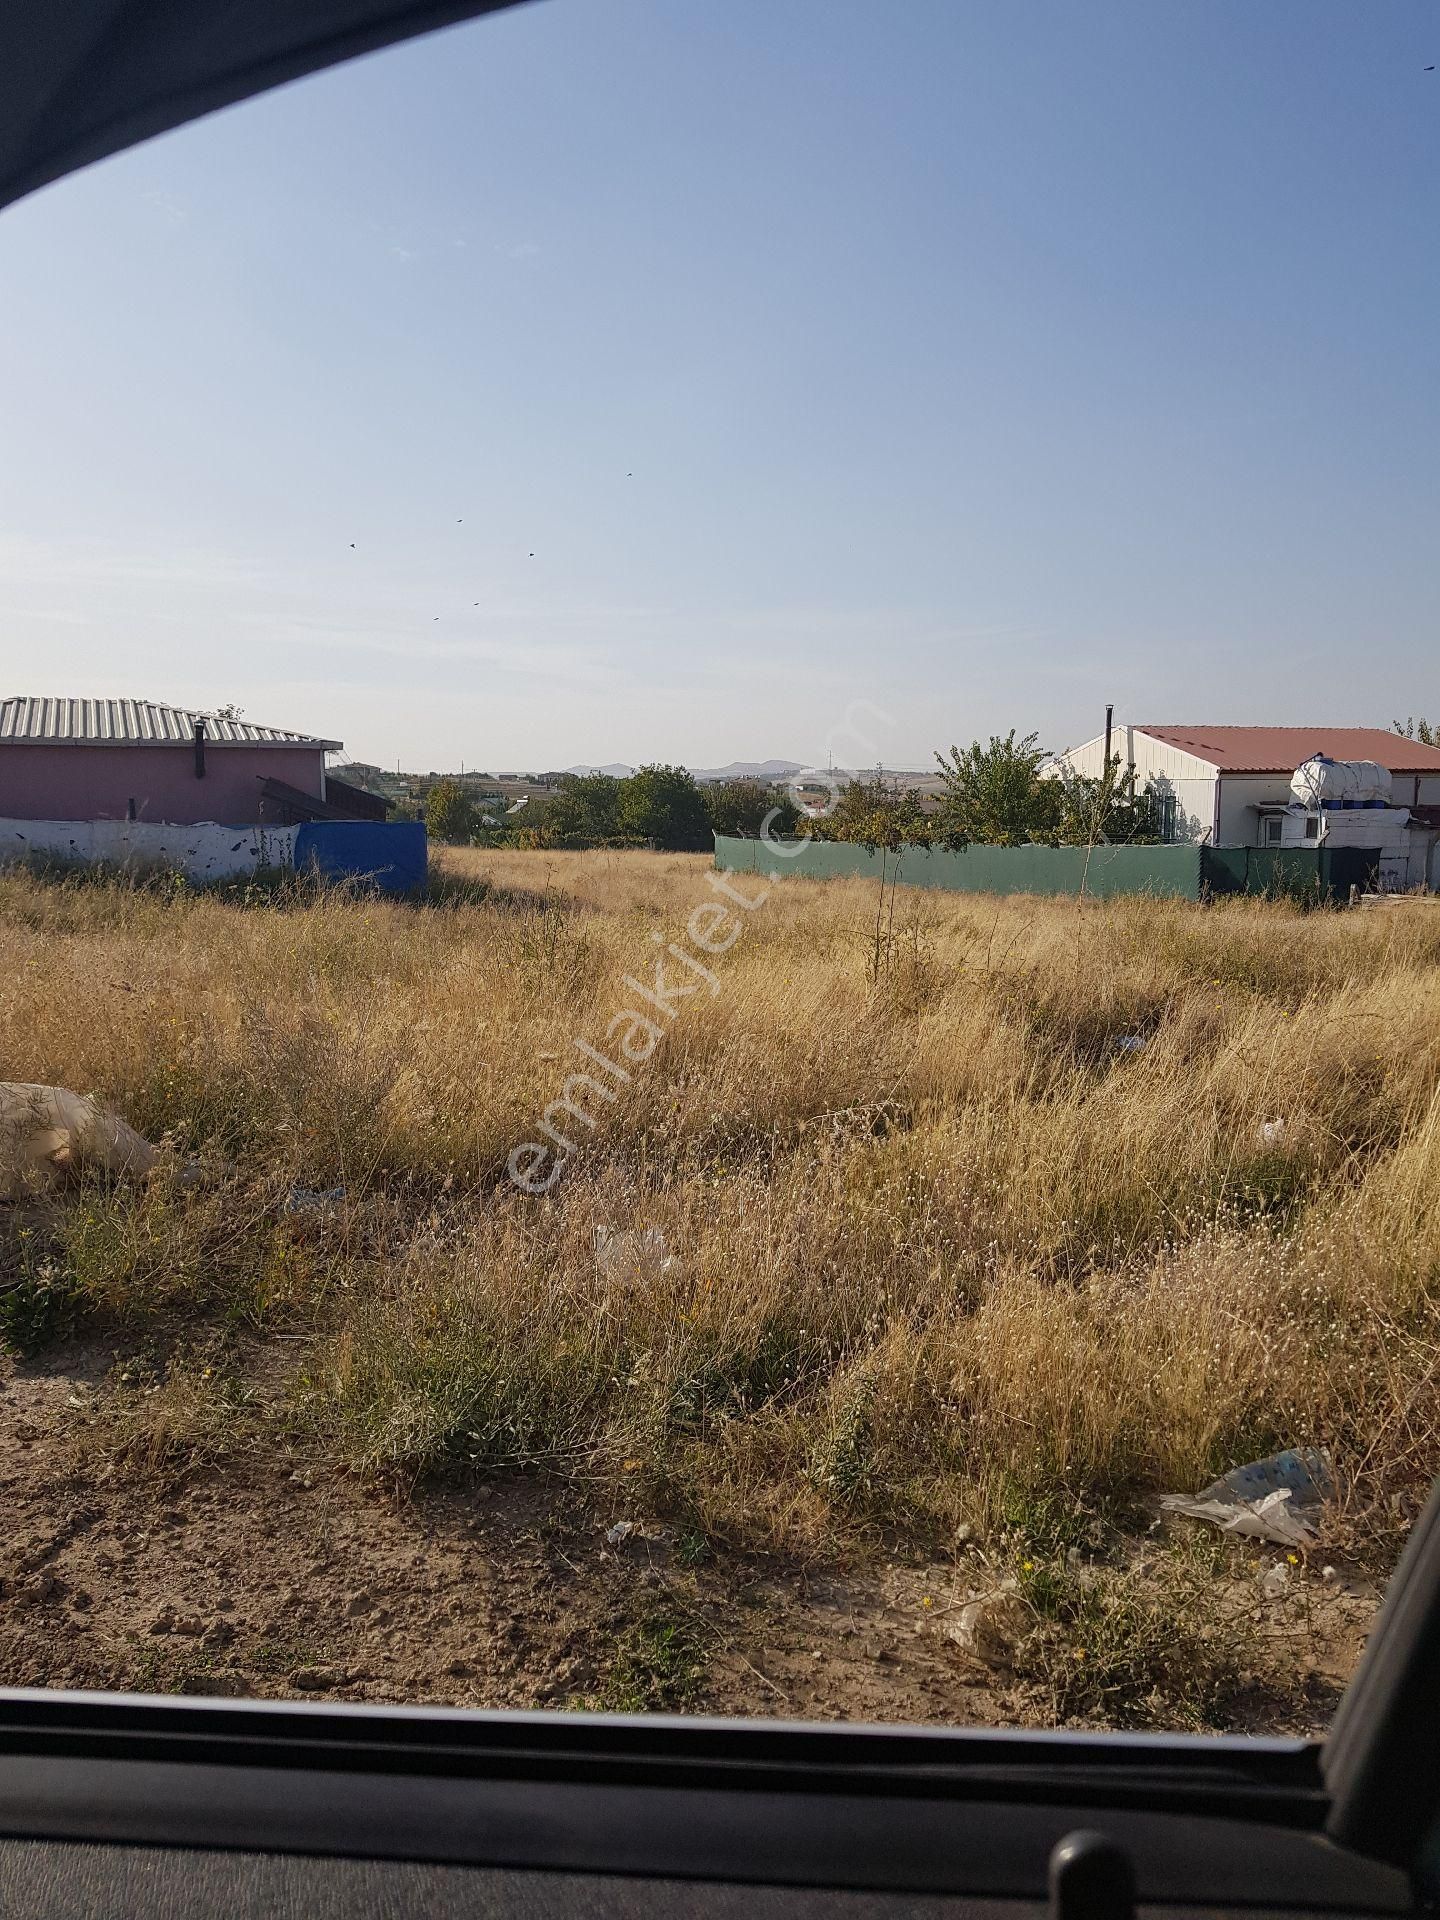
(1404,848)
(1224,808)
(1241,797)
(1170,769)
(1416,789)
(204,852)
(1407,850)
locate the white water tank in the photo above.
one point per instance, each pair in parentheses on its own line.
(1323,782)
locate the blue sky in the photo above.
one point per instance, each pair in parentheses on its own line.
(687,371)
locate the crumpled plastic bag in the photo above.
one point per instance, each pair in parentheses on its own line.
(47,1132)
(989,1627)
(632,1256)
(624,1530)
(1278,1499)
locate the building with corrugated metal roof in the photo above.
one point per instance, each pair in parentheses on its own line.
(140,760)
(1227,785)
(1231,786)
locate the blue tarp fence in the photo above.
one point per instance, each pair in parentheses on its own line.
(390,855)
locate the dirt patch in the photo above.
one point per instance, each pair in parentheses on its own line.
(275,1577)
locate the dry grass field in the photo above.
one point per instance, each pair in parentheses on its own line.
(979,1233)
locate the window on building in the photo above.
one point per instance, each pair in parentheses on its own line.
(1271,828)
(1312,826)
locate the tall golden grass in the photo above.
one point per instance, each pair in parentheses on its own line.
(941,1248)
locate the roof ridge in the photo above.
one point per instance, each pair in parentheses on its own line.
(1234,748)
(128,721)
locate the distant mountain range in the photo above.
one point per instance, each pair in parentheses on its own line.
(737,770)
(750,770)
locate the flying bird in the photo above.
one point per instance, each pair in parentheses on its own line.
(352,546)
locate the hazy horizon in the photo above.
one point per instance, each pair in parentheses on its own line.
(633,383)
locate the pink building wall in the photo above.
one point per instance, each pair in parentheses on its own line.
(55,782)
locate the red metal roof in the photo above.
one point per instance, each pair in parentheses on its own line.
(1281,749)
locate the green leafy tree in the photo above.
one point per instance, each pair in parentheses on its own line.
(1418,730)
(741,807)
(1078,810)
(664,805)
(450,812)
(585,812)
(993,794)
(875,813)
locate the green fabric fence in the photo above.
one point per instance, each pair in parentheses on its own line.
(1182,873)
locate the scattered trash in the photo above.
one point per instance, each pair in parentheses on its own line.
(988,1628)
(632,1256)
(1275,1580)
(312,1200)
(624,1530)
(311,1214)
(1270,1132)
(48,1132)
(1278,1499)
(1130,1042)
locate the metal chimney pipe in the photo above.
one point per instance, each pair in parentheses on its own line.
(199,749)
(1109,729)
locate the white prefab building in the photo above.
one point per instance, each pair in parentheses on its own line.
(1226,781)
(1231,787)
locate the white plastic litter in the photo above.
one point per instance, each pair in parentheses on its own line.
(1270,1132)
(632,1256)
(1279,1499)
(989,1627)
(1130,1042)
(47,1132)
(1275,1581)
(620,1532)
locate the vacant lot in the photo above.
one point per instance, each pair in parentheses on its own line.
(936,1239)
